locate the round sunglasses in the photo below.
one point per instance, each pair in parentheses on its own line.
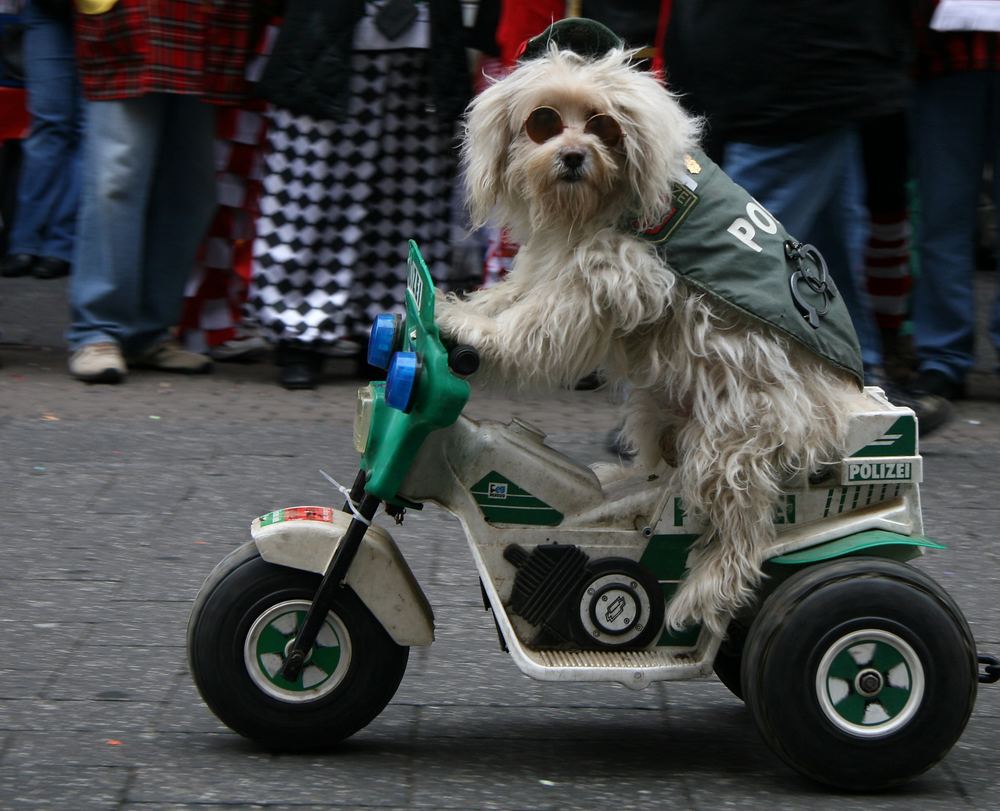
(544,123)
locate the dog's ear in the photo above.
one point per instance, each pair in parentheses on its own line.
(485,146)
(658,134)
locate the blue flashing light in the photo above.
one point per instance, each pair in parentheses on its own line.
(383,339)
(401,382)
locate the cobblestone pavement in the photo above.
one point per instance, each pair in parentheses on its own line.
(118,501)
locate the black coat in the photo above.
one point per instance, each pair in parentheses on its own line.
(309,69)
(767,71)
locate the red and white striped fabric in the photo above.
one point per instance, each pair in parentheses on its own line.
(215,294)
(887,268)
(217,289)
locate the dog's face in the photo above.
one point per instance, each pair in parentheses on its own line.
(568,153)
(565,141)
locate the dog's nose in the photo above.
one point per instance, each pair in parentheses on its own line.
(572,158)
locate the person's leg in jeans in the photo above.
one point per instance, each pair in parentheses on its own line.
(143,207)
(121,141)
(993,137)
(950,123)
(840,231)
(814,188)
(48,190)
(181,204)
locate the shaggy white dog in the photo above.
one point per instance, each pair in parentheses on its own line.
(735,406)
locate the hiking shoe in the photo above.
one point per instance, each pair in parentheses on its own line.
(932,411)
(98,363)
(170,356)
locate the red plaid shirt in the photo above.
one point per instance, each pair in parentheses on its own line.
(190,47)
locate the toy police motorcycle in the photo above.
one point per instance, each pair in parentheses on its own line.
(858,670)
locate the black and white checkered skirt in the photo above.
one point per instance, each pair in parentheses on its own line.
(341,199)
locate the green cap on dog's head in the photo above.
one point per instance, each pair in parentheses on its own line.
(581,36)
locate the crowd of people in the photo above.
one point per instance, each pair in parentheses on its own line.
(221,178)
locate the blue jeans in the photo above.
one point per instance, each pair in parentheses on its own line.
(148,195)
(48,190)
(956,131)
(815,188)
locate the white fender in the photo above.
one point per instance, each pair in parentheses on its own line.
(306,537)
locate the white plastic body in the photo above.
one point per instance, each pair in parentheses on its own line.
(616,519)
(379,574)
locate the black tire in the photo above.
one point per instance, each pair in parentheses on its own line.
(857,723)
(728,664)
(247,606)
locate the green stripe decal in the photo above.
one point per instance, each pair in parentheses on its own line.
(503,502)
(850,544)
(665,555)
(899,440)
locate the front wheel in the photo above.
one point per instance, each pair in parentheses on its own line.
(243,622)
(860,673)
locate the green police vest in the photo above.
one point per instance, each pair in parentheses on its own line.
(724,243)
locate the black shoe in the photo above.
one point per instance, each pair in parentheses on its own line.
(931,381)
(17,264)
(298,368)
(302,375)
(48,267)
(932,410)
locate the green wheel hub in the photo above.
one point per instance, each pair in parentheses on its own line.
(869,683)
(269,639)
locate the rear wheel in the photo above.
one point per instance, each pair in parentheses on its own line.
(728,664)
(860,673)
(244,621)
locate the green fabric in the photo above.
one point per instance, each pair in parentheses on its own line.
(582,36)
(711,239)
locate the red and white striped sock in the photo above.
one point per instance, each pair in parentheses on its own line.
(887,268)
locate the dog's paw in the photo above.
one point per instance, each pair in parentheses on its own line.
(462,327)
(689,606)
(447,316)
